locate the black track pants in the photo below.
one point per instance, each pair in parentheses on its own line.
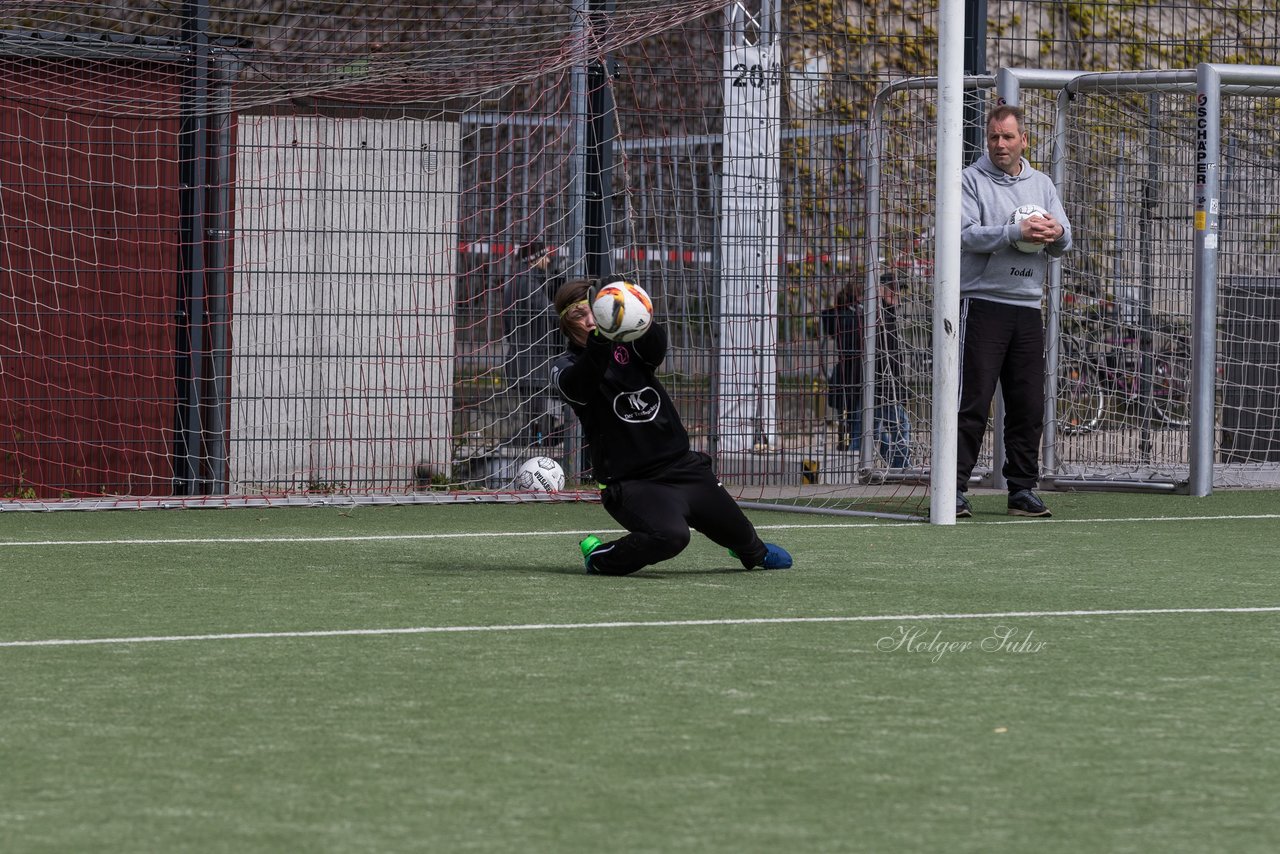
(1005,343)
(660,511)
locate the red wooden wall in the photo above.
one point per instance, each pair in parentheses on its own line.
(89,206)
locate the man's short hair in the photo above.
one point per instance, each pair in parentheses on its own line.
(1000,112)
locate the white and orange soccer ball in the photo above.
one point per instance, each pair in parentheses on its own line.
(1027,212)
(623,311)
(540,474)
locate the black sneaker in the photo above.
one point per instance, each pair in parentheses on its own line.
(1024,502)
(963,510)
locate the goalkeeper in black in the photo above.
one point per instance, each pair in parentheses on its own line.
(653,483)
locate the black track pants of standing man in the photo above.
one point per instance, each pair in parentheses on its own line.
(1005,343)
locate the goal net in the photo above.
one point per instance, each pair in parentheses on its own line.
(1127,151)
(1134,153)
(297,253)
(293,254)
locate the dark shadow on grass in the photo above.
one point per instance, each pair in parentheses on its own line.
(650,573)
(655,572)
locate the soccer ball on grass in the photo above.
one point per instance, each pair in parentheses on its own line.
(623,311)
(540,474)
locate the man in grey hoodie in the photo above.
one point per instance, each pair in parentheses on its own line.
(1002,270)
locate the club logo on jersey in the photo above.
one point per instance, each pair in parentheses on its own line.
(622,355)
(637,407)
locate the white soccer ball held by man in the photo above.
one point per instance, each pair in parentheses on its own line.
(1025,212)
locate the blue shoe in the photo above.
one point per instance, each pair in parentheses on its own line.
(775,557)
(963,509)
(588,545)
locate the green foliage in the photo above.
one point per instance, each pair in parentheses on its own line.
(19,489)
(316,486)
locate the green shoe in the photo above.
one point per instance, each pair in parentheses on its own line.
(588,545)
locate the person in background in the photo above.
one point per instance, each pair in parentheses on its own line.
(529,326)
(652,483)
(842,321)
(1002,271)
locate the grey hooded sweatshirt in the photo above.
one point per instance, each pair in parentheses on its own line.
(991,268)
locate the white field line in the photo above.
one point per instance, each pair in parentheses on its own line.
(639,624)
(178,541)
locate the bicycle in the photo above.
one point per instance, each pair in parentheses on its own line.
(1124,372)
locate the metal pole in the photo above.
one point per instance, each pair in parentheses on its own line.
(598,154)
(1053,320)
(869,308)
(1123,299)
(1205,279)
(577,190)
(946,269)
(194,144)
(975,62)
(219,237)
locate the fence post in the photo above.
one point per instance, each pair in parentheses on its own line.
(1205,277)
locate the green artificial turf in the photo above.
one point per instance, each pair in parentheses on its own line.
(489,696)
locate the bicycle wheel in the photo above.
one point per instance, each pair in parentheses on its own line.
(1171,390)
(1080,399)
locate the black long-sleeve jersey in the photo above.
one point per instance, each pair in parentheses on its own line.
(629,421)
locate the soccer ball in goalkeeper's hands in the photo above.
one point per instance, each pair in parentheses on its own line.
(540,474)
(623,311)
(1027,212)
